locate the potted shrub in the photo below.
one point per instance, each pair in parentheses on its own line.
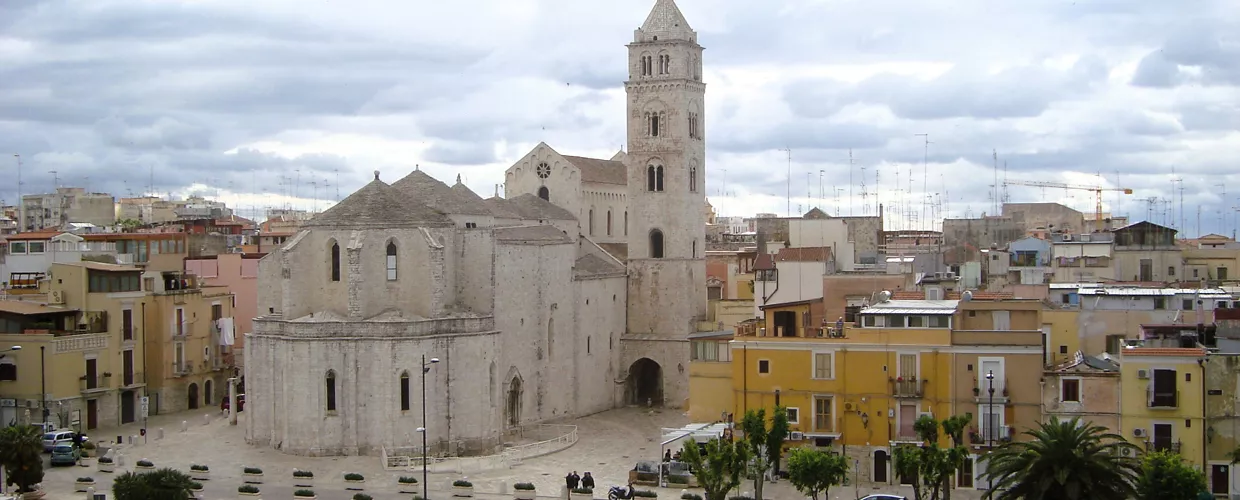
(462,488)
(199,472)
(105,464)
(523,491)
(354,481)
(407,484)
(88,449)
(690,496)
(645,494)
(580,494)
(252,475)
(303,478)
(195,487)
(247,490)
(144,464)
(363,496)
(304,494)
(82,483)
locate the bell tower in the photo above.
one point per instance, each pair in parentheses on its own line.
(666,163)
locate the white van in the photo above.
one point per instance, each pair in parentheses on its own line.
(51,439)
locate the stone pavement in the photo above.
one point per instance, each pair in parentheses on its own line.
(608,445)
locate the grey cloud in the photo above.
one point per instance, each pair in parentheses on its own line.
(1207,46)
(161,132)
(460,153)
(805,134)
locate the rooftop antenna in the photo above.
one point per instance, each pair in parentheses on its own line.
(994,188)
(1223,195)
(789,199)
(865,195)
(1005,185)
(297,184)
(337,185)
(809,189)
(925,176)
(21,203)
(822,173)
(850,181)
(55,180)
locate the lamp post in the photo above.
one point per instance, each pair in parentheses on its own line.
(990,409)
(426,367)
(11,349)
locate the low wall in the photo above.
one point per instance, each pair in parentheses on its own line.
(556,437)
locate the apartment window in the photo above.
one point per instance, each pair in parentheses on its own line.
(1070,390)
(764,366)
(179,327)
(331,390)
(38,246)
(794,415)
(17,248)
(1160,302)
(991,422)
(1162,391)
(823,362)
(940,321)
(916,321)
(1186,305)
(1170,270)
(823,421)
(1222,271)
(404,391)
(127,324)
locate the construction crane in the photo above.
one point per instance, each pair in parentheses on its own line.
(1096,189)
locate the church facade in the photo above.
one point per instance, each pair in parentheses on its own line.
(573,294)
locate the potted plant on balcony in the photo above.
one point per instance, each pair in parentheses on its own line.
(462,488)
(523,491)
(105,464)
(199,472)
(354,481)
(82,483)
(252,475)
(303,478)
(307,494)
(580,494)
(407,484)
(144,464)
(247,490)
(195,487)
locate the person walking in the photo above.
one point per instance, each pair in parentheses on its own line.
(568,485)
(587,482)
(574,481)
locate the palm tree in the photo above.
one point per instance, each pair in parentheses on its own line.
(1068,460)
(161,484)
(21,447)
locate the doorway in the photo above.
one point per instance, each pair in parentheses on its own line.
(92,413)
(1220,479)
(193,396)
(880,466)
(206,393)
(645,383)
(513,405)
(127,407)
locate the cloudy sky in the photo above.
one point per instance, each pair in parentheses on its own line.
(285,102)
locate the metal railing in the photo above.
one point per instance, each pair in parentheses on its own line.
(96,382)
(1160,445)
(906,388)
(133,378)
(180,368)
(1161,399)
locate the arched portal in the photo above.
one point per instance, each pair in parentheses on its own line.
(512,407)
(544,193)
(645,383)
(206,393)
(880,466)
(193,396)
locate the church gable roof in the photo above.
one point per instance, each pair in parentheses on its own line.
(501,208)
(590,265)
(420,186)
(531,207)
(466,195)
(666,17)
(600,171)
(535,235)
(378,205)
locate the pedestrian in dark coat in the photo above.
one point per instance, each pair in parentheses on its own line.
(587,482)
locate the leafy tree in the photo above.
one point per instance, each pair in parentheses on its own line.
(161,484)
(929,467)
(21,448)
(720,469)
(765,444)
(776,435)
(1165,476)
(1065,459)
(814,472)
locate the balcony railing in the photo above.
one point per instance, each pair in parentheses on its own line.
(906,388)
(1163,445)
(93,322)
(133,378)
(182,368)
(96,382)
(1169,399)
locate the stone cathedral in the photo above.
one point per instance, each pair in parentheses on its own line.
(573,294)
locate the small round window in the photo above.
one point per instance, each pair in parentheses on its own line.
(544,170)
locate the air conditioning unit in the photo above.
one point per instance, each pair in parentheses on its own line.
(1138,432)
(1067,237)
(849,406)
(796,436)
(1143,374)
(56,297)
(951,275)
(762,332)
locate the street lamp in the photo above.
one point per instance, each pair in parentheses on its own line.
(990,409)
(14,348)
(426,367)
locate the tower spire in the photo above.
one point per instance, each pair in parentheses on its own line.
(666,19)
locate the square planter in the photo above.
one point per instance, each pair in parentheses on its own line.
(252,478)
(200,475)
(247,495)
(81,486)
(144,467)
(86,461)
(581,496)
(303,482)
(295,497)
(408,487)
(196,491)
(463,491)
(109,467)
(354,485)
(524,494)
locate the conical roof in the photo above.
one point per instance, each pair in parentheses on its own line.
(378,206)
(423,188)
(667,20)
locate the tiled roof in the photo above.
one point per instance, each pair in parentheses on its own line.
(378,205)
(101,266)
(811,254)
(33,235)
(764,261)
(531,234)
(534,208)
(600,171)
(1165,351)
(420,186)
(593,265)
(618,250)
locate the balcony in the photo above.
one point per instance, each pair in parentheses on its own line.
(132,379)
(96,382)
(1163,445)
(1167,400)
(906,388)
(92,322)
(182,368)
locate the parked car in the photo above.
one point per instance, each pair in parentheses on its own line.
(240,403)
(51,439)
(882,496)
(64,454)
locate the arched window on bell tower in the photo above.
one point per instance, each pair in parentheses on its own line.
(658,177)
(656,244)
(609,222)
(693,179)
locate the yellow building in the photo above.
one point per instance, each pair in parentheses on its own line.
(82,351)
(187,360)
(860,389)
(1162,400)
(710,376)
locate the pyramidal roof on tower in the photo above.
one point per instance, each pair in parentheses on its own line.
(378,206)
(667,20)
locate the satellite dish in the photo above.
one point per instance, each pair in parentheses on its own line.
(967,295)
(884,296)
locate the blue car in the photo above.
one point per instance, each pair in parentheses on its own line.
(63,454)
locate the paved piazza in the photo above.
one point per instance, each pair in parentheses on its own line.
(608,445)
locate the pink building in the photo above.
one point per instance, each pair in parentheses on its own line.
(238,272)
